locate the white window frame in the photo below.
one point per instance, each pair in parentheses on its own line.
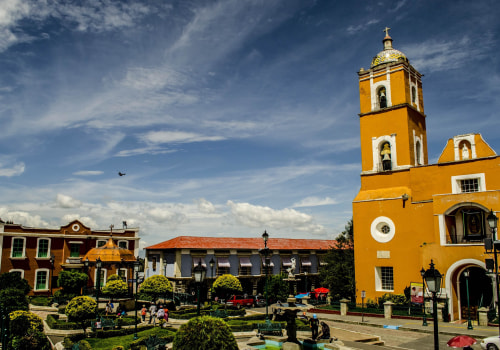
(377,232)
(35,285)
(38,248)
(378,279)
(122,241)
(99,240)
(456,186)
(104,278)
(376,143)
(374,91)
(18,270)
(126,273)
(23,256)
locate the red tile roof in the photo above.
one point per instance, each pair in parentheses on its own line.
(191,242)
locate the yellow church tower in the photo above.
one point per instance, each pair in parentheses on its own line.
(393,134)
(408,212)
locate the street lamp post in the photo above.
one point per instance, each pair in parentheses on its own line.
(98,265)
(466,275)
(422,273)
(137,265)
(52,261)
(199,276)
(265,251)
(492,222)
(212,265)
(433,280)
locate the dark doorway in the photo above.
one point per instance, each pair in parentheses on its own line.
(480,291)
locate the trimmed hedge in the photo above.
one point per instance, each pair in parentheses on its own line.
(136,344)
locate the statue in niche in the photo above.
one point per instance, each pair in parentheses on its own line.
(465,152)
(386,156)
(382,98)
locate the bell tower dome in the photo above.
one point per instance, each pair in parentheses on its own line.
(392,119)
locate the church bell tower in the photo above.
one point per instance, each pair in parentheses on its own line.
(392,119)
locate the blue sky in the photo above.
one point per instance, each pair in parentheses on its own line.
(228,117)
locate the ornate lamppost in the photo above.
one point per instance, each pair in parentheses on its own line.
(422,273)
(212,265)
(137,265)
(466,275)
(433,280)
(199,273)
(98,265)
(492,222)
(52,261)
(267,258)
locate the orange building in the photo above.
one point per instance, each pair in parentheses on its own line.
(407,211)
(39,254)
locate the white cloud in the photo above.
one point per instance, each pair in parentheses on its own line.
(259,216)
(22,217)
(88,172)
(315,202)
(156,137)
(15,170)
(63,201)
(205,206)
(87,221)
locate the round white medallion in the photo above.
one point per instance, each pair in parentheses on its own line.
(383,229)
(75,227)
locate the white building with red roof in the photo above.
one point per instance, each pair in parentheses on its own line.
(241,257)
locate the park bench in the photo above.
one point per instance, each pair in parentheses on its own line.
(102,324)
(219,313)
(155,343)
(270,328)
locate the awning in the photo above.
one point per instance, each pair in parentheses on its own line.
(196,260)
(305,262)
(245,262)
(286,261)
(270,262)
(223,262)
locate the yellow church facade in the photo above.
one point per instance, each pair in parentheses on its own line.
(409,212)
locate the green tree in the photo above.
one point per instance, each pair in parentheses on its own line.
(12,299)
(12,280)
(72,282)
(207,333)
(226,285)
(80,310)
(155,286)
(115,287)
(27,331)
(338,274)
(277,288)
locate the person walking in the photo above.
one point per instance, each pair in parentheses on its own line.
(160,315)
(143,313)
(314,323)
(152,313)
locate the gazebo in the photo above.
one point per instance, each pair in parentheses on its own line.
(109,259)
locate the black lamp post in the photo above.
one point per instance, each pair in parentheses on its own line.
(98,265)
(212,265)
(492,222)
(422,273)
(433,280)
(199,273)
(265,251)
(52,261)
(137,265)
(466,275)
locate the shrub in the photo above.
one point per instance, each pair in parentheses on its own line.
(12,280)
(155,287)
(27,331)
(115,288)
(398,299)
(72,281)
(80,310)
(205,333)
(13,299)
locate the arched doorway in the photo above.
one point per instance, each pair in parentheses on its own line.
(480,290)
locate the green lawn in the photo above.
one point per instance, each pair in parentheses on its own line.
(109,343)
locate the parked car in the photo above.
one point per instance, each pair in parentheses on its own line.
(491,343)
(259,301)
(240,300)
